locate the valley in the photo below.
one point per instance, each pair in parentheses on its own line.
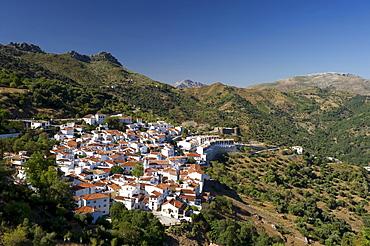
(318,197)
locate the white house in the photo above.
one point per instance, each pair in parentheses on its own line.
(125,119)
(128,201)
(94,119)
(83,189)
(173,208)
(129,189)
(96,200)
(43,124)
(298,149)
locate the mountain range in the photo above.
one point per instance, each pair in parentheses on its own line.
(322,119)
(330,80)
(300,195)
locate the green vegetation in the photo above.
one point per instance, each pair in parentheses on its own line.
(138,170)
(322,121)
(323,198)
(217,220)
(116,170)
(135,227)
(43,215)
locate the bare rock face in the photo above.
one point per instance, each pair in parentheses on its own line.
(26,47)
(78,56)
(187,83)
(102,56)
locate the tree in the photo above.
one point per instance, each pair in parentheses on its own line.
(116,211)
(138,170)
(35,167)
(4,115)
(129,234)
(115,123)
(16,237)
(116,170)
(17,211)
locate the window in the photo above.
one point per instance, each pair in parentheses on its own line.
(105,205)
(105,200)
(94,201)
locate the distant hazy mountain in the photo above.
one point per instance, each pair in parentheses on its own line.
(187,83)
(330,80)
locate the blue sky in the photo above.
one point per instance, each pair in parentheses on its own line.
(238,42)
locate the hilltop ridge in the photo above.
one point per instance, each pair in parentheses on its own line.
(334,73)
(335,81)
(101,56)
(26,47)
(72,84)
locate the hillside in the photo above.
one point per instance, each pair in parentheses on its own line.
(333,81)
(302,196)
(34,83)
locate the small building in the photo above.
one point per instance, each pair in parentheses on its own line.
(95,213)
(34,124)
(298,149)
(129,202)
(173,208)
(96,200)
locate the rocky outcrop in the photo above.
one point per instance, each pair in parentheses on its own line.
(187,83)
(78,56)
(26,47)
(105,56)
(101,56)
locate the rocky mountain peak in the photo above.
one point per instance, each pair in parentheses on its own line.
(187,83)
(26,47)
(105,56)
(101,56)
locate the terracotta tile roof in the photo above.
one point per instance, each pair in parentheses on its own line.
(187,191)
(189,198)
(94,196)
(86,210)
(110,162)
(85,185)
(162,186)
(146,178)
(114,186)
(195,168)
(100,184)
(156,194)
(193,154)
(128,164)
(159,162)
(122,198)
(151,170)
(174,203)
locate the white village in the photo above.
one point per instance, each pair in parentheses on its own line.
(152,175)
